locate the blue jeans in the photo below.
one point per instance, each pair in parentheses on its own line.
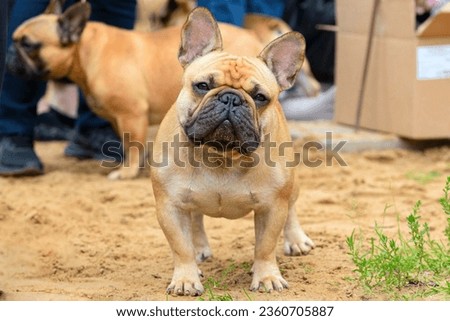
(5,9)
(233,11)
(19,97)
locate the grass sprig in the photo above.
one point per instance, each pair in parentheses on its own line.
(396,265)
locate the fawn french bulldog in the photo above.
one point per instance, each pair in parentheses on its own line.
(210,142)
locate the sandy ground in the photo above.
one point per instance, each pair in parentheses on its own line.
(72,234)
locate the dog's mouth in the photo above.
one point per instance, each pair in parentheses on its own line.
(19,63)
(226,124)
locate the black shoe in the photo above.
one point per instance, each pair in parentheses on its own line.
(17,157)
(100,144)
(53,125)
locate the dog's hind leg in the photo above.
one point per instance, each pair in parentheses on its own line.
(132,130)
(296,242)
(201,244)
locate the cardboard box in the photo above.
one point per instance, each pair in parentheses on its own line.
(408,85)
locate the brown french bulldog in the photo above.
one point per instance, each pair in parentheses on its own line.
(130,78)
(219,152)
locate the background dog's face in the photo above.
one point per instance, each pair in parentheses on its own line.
(225,97)
(43,46)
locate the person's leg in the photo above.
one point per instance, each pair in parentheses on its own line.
(18,96)
(273,8)
(230,11)
(18,99)
(91,131)
(4,13)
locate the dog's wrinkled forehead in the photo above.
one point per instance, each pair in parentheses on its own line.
(241,72)
(236,72)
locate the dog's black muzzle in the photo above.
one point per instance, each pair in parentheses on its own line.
(225,122)
(20,64)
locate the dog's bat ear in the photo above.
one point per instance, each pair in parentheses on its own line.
(72,22)
(200,35)
(285,56)
(55,7)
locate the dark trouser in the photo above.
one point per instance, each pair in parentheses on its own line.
(18,97)
(233,11)
(5,9)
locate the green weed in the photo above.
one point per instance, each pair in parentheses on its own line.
(216,289)
(445,203)
(423,178)
(211,285)
(415,261)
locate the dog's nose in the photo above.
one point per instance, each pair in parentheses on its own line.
(11,60)
(230,99)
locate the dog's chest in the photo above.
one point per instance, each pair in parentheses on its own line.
(226,196)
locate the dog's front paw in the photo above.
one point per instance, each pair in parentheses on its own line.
(269,283)
(185,287)
(185,283)
(123,173)
(297,243)
(266,278)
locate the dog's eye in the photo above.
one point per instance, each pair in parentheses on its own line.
(28,45)
(202,86)
(260,100)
